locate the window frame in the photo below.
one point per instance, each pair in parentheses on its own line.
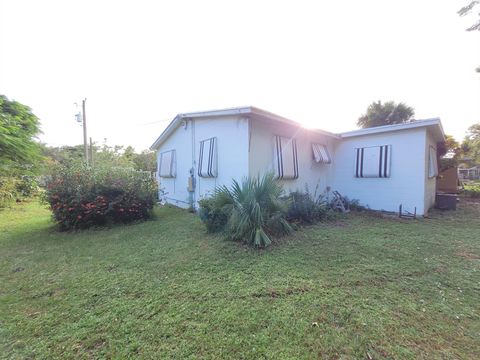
(384,162)
(173,164)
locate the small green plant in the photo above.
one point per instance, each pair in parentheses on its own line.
(354,204)
(8,191)
(305,208)
(472,190)
(27,186)
(214,215)
(81,196)
(255,208)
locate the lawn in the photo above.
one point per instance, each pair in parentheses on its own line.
(360,286)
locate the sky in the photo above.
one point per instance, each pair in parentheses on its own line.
(139,63)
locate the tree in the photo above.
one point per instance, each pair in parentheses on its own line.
(471,143)
(389,113)
(452,151)
(146,161)
(19,152)
(467,9)
(103,155)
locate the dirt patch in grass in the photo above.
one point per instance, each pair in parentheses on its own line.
(274,293)
(467,255)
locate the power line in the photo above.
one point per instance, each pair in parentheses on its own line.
(155,122)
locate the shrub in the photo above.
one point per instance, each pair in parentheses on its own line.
(27,186)
(80,196)
(305,208)
(472,190)
(213,215)
(353,204)
(255,209)
(8,191)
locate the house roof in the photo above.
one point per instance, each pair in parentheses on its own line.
(434,124)
(250,111)
(256,113)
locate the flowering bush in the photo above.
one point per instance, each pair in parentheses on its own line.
(81,196)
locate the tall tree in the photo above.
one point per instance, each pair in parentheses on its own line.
(19,151)
(452,151)
(104,155)
(471,143)
(388,113)
(467,9)
(146,161)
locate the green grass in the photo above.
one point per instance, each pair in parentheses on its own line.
(362,286)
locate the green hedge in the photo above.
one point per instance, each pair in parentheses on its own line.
(14,189)
(472,190)
(81,196)
(8,191)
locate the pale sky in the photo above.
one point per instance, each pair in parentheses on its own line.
(139,63)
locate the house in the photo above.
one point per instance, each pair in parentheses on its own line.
(382,167)
(471,173)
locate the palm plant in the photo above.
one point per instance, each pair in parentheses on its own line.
(257,210)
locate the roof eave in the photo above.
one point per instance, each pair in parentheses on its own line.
(247,110)
(396,127)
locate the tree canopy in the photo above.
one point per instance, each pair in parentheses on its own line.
(102,155)
(388,113)
(19,152)
(452,149)
(471,143)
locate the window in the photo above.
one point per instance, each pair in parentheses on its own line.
(373,162)
(286,162)
(320,154)
(167,164)
(432,162)
(207,162)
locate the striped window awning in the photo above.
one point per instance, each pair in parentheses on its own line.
(373,162)
(286,162)
(321,154)
(207,162)
(167,164)
(432,162)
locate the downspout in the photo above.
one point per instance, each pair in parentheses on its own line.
(191,180)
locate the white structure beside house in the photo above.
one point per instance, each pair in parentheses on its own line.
(472,173)
(382,167)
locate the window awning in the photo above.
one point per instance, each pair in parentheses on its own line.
(207,162)
(320,154)
(432,163)
(167,164)
(373,161)
(286,162)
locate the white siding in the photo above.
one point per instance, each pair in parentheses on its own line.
(176,188)
(406,184)
(232,146)
(262,148)
(232,150)
(430,183)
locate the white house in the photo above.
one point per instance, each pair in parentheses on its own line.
(382,167)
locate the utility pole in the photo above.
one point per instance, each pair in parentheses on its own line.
(85,146)
(91,152)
